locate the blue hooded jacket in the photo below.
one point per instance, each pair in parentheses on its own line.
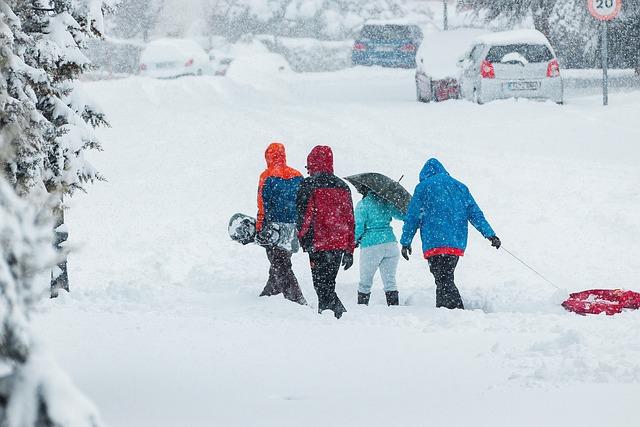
(442,207)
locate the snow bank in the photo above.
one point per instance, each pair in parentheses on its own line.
(171,50)
(164,305)
(255,65)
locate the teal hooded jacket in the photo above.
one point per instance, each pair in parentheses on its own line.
(373,221)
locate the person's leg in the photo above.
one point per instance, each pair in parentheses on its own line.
(271,288)
(324,270)
(388,268)
(316,261)
(369,261)
(286,281)
(442,267)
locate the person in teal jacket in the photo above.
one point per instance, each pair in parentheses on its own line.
(378,246)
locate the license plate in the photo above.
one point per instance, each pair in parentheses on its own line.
(165,64)
(385,49)
(523,85)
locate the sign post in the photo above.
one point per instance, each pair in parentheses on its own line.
(604,11)
(445,15)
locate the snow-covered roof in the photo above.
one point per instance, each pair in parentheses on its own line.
(516,36)
(439,52)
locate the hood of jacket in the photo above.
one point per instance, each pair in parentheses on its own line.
(433,167)
(275,155)
(320,160)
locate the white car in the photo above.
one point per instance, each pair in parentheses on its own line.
(511,64)
(220,61)
(170,58)
(437,73)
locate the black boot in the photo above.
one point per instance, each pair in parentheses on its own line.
(392,297)
(363,298)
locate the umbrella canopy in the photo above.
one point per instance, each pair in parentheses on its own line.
(384,187)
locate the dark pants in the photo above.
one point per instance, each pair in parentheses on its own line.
(281,277)
(442,268)
(324,270)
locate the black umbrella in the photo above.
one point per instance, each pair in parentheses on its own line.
(384,187)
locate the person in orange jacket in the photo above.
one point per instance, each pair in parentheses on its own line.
(277,192)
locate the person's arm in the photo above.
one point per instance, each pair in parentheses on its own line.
(413,218)
(304,207)
(347,260)
(476,217)
(260,215)
(361,220)
(396,214)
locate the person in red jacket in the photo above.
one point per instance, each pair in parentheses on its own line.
(326,226)
(277,191)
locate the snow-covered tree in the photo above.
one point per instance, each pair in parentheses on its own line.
(323,19)
(22,127)
(51,38)
(136,18)
(33,390)
(515,10)
(574,33)
(58,32)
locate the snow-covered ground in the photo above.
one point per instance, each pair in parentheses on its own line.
(164,327)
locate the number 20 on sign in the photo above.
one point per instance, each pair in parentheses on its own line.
(604,10)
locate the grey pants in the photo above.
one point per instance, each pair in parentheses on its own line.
(384,257)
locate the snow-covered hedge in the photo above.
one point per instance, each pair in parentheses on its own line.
(304,54)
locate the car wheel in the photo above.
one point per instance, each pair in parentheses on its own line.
(419,97)
(476,97)
(199,72)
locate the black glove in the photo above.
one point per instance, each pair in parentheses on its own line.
(347,260)
(495,242)
(263,237)
(406,251)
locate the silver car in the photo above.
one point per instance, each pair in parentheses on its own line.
(511,64)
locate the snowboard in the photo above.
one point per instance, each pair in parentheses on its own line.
(242,229)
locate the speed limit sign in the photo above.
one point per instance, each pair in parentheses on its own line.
(604,10)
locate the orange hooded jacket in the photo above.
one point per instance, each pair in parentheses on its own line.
(277,188)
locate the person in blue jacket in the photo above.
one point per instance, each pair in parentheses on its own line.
(378,245)
(442,207)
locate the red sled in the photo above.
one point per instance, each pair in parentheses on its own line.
(596,301)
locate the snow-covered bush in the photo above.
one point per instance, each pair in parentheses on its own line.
(33,390)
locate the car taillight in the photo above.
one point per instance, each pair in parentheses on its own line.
(553,69)
(408,48)
(486,70)
(189,63)
(359,47)
(143,67)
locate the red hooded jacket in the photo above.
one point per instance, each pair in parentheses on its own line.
(325,208)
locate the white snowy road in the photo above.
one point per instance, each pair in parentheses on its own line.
(164,328)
